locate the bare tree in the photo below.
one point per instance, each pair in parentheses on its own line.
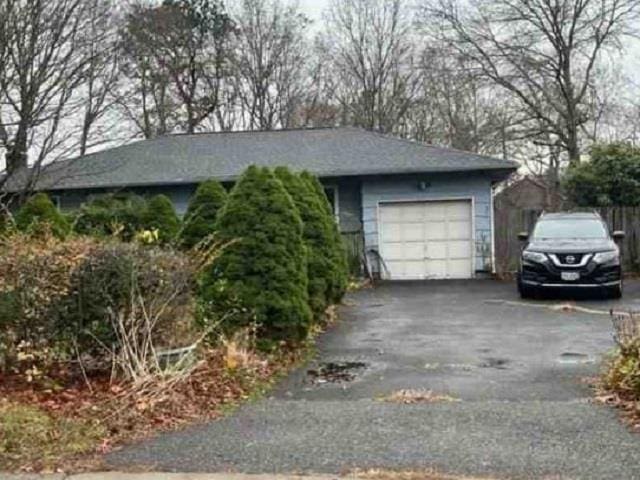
(371,47)
(454,106)
(544,53)
(44,65)
(318,107)
(269,61)
(102,71)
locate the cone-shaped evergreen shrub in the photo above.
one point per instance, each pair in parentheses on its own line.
(264,271)
(161,215)
(340,277)
(39,212)
(318,237)
(199,221)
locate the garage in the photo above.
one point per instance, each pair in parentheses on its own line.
(426,239)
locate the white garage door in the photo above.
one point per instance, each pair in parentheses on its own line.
(426,239)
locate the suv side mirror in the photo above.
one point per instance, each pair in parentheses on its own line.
(618,235)
(523,236)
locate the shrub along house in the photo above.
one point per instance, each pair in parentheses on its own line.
(422,211)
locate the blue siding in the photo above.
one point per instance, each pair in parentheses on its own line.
(441,186)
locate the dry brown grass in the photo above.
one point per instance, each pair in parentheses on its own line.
(418,395)
(426,474)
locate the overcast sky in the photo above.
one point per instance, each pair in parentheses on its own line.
(314,8)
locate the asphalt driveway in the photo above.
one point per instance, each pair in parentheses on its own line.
(517,368)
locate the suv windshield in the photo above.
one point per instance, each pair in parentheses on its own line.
(568,228)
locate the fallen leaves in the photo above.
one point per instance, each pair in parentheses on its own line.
(411,396)
(628,407)
(424,474)
(118,414)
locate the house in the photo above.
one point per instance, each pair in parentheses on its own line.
(424,211)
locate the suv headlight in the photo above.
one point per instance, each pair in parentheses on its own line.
(606,257)
(536,257)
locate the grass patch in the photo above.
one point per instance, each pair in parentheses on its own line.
(32,437)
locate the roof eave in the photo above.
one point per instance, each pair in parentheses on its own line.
(496,172)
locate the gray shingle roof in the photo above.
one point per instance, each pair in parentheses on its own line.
(327,152)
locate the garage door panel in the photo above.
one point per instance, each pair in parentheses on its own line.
(414,251)
(435,230)
(436,268)
(395,269)
(413,212)
(459,268)
(391,213)
(414,269)
(435,211)
(459,249)
(459,230)
(437,250)
(430,239)
(412,232)
(394,251)
(457,210)
(392,232)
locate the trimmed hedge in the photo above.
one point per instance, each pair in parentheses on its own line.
(160,215)
(263,271)
(202,212)
(39,213)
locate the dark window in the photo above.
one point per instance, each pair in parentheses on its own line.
(331,196)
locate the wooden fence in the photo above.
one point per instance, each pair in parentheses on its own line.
(510,221)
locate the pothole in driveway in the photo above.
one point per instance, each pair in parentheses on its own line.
(335,372)
(574,358)
(497,363)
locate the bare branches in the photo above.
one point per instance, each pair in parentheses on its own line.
(45,57)
(544,53)
(268,60)
(369,44)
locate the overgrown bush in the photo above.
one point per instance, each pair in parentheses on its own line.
(340,271)
(264,269)
(39,215)
(317,233)
(160,215)
(68,297)
(113,280)
(623,372)
(199,221)
(34,274)
(119,215)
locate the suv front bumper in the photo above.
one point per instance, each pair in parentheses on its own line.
(549,275)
